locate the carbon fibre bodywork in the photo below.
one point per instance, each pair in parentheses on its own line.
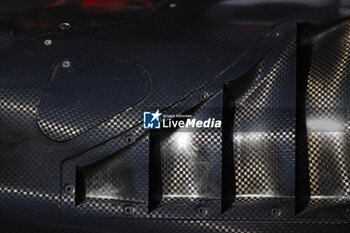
(76,158)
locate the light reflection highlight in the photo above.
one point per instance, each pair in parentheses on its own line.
(324,125)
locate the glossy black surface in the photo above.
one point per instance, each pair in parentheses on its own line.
(74,155)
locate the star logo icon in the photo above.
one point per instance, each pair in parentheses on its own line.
(156,115)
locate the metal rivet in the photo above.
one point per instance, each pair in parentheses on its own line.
(65,26)
(276,212)
(69,189)
(202,211)
(129,139)
(278,34)
(66,64)
(48,42)
(204,95)
(129,210)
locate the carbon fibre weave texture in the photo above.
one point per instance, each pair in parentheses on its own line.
(328,116)
(190,172)
(105,170)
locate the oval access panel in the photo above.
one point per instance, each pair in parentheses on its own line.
(84,92)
